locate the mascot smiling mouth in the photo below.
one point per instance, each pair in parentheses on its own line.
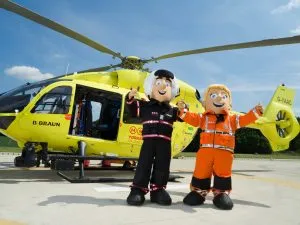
(218,105)
(162,92)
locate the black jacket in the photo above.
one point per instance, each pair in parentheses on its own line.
(157,117)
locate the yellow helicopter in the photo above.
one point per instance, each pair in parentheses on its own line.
(83,115)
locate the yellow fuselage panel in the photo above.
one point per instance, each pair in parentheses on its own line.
(54,128)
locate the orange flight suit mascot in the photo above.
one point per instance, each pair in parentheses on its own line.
(217,141)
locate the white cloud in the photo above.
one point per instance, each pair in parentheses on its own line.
(58,56)
(296,31)
(27,73)
(292,4)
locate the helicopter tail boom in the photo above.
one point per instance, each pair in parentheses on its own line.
(278,123)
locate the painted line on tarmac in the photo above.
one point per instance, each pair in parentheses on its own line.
(125,189)
(10,222)
(280,182)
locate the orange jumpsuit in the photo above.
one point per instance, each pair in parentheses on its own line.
(217,142)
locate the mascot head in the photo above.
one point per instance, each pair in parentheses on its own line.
(217,98)
(161,85)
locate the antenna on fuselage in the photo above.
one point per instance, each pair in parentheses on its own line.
(67,69)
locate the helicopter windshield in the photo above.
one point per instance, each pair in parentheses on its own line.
(18,98)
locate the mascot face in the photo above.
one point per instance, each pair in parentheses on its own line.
(162,89)
(217,100)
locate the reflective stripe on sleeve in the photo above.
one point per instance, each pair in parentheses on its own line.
(237,121)
(138,108)
(183,114)
(255,113)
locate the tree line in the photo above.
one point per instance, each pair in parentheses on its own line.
(250,141)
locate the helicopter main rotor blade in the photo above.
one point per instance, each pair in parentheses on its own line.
(254,44)
(99,69)
(15,8)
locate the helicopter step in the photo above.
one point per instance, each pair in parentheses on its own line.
(84,179)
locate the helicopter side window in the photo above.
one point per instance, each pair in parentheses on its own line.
(56,101)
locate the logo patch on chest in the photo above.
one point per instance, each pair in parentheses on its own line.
(154,113)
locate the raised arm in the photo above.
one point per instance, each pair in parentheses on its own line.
(193,119)
(250,117)
(133,104)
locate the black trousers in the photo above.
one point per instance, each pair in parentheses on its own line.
(155,157)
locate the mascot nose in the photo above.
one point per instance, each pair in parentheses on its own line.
(219,98)
(163,85)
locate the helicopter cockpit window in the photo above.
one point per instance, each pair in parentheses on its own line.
(56,101)
(18,98)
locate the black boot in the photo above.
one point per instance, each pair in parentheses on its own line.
(161,197)
(223,201)
(193,198)
(136,197)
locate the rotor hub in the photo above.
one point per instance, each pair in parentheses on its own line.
(132,63)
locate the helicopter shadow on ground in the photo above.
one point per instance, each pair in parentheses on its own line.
(14,176)
(20,175)
(101,202)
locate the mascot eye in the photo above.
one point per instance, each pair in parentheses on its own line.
(213,95)
(225,97)
(158,82)
(168,83)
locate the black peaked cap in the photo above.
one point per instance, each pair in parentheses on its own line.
(164,73)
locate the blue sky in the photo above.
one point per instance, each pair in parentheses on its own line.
(152,28)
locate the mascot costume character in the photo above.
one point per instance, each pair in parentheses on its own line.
(157,118)
(217,141)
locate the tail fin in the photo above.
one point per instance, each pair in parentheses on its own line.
(278,123)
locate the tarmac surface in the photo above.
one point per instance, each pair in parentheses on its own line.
(264,192)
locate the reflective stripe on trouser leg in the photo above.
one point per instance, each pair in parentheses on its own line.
(159,178)
(202,186)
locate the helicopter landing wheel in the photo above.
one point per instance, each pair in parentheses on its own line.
(129,165)
(19,161)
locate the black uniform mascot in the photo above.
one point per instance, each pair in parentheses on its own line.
(157,117)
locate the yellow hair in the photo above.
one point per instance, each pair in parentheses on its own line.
(217,86)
